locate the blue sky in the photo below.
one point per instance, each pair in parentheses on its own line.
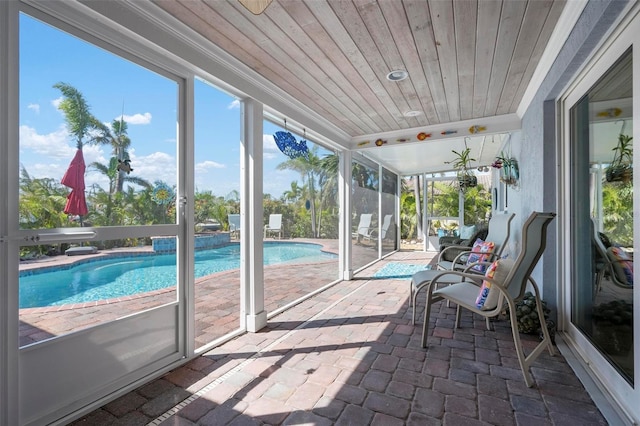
(114,87)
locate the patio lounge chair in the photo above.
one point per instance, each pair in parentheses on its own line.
(505,283)
(274,225)
(386,224)
(364,228)
(234,225)
(613,262)
(499,231)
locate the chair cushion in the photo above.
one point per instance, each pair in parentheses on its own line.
(480,252)
(488,297)
(622,265)
(467,232)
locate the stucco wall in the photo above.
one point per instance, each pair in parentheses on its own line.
(536,150)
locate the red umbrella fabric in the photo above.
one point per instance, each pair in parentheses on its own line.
(74,179)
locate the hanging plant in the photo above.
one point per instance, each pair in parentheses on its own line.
(621,168)
(466,177)
(509,169)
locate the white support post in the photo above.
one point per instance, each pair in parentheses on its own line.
(186,237)
(344,188)
(9,248)
(379,232)
(425,205)
(251,212)
(397,224)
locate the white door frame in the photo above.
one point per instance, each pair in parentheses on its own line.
(605,376)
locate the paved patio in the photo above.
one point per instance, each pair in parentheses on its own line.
(349,355)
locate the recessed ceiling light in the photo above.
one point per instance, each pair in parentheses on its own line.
(397,75)
(412,113)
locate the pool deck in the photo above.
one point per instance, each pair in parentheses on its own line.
(217,295)
(350,356)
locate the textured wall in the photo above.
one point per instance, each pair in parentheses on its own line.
(536,150)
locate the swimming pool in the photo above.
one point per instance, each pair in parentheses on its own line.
(106,278)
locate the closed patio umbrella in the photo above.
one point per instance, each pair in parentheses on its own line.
(74,179)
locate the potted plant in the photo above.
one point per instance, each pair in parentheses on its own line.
(527,317)
(509,170)
(466,177)
(621,168)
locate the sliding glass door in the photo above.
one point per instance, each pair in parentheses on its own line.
(600,237)
(99,223)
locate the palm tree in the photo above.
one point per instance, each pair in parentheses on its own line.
(407,211)
(293,194)
(41,206)
(119,140)
(76,112)
(309,168)
(41,202)
(109,200)
(416,191)
(617,202)
(328,183)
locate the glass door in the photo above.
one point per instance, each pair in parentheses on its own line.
(601,303)
(602,293)
(99,222)
(217,227)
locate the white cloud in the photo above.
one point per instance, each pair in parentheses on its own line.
(155,166)
(49,155)
(234,104)
(54,145)
(204,166)
(56,102)
(34,107)
(269,143)
(42,170)
(278,181)
(269,155)
(94,154)
(136,118)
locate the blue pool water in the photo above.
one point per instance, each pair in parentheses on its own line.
(123,276)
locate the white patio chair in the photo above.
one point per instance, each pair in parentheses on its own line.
(499,231)
(364,228)
(234,225)
(489,295)
(274,225)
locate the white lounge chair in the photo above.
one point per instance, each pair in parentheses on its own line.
(274,225)
(502,286)
(499,232)
(234,225)
(364,228)
(386,224)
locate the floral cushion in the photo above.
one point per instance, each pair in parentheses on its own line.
(488,297)
(622,265)
(480,252)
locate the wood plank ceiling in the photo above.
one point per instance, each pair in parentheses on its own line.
(466,59)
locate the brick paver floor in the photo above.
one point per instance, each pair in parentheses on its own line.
(349,355)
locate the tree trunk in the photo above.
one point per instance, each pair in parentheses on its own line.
(416,191)
(312,195)
(119,173)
